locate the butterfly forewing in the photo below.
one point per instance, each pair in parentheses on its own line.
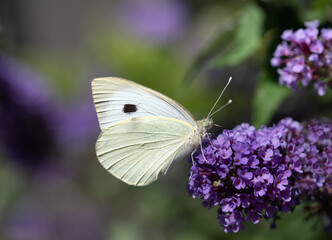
(138,150)
(118,99)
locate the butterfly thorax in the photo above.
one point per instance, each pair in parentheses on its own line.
(203,126)
(195,139)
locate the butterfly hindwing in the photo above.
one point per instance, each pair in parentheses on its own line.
(138,150)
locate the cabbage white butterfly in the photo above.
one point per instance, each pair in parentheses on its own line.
(143,131)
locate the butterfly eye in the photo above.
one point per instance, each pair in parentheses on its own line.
(129,108)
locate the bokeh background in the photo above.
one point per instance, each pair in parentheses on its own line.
(51,184)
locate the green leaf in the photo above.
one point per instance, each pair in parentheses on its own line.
(246,38)
(233,44)
(214,49)
(269,94)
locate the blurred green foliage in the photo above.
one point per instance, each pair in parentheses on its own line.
(246,40)
(267,98)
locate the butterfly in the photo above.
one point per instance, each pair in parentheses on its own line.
(143,131)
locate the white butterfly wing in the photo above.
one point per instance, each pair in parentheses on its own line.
(138,150)
(112,96)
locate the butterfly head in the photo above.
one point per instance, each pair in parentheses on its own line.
(207,123)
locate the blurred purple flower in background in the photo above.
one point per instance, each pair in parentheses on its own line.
(77,125)
(27,113)
(159,21)
(305,57)
(283,164)
(46,139)
(34,125)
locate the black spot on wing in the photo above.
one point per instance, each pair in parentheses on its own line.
(129,108)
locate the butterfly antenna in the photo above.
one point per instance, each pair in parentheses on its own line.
(229,102)
(229,81)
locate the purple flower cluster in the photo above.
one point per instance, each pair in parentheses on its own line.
(250,174)
(304,57)
(311,154)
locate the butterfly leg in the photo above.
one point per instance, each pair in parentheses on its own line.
(208,136)
(200,143)
(192,161)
